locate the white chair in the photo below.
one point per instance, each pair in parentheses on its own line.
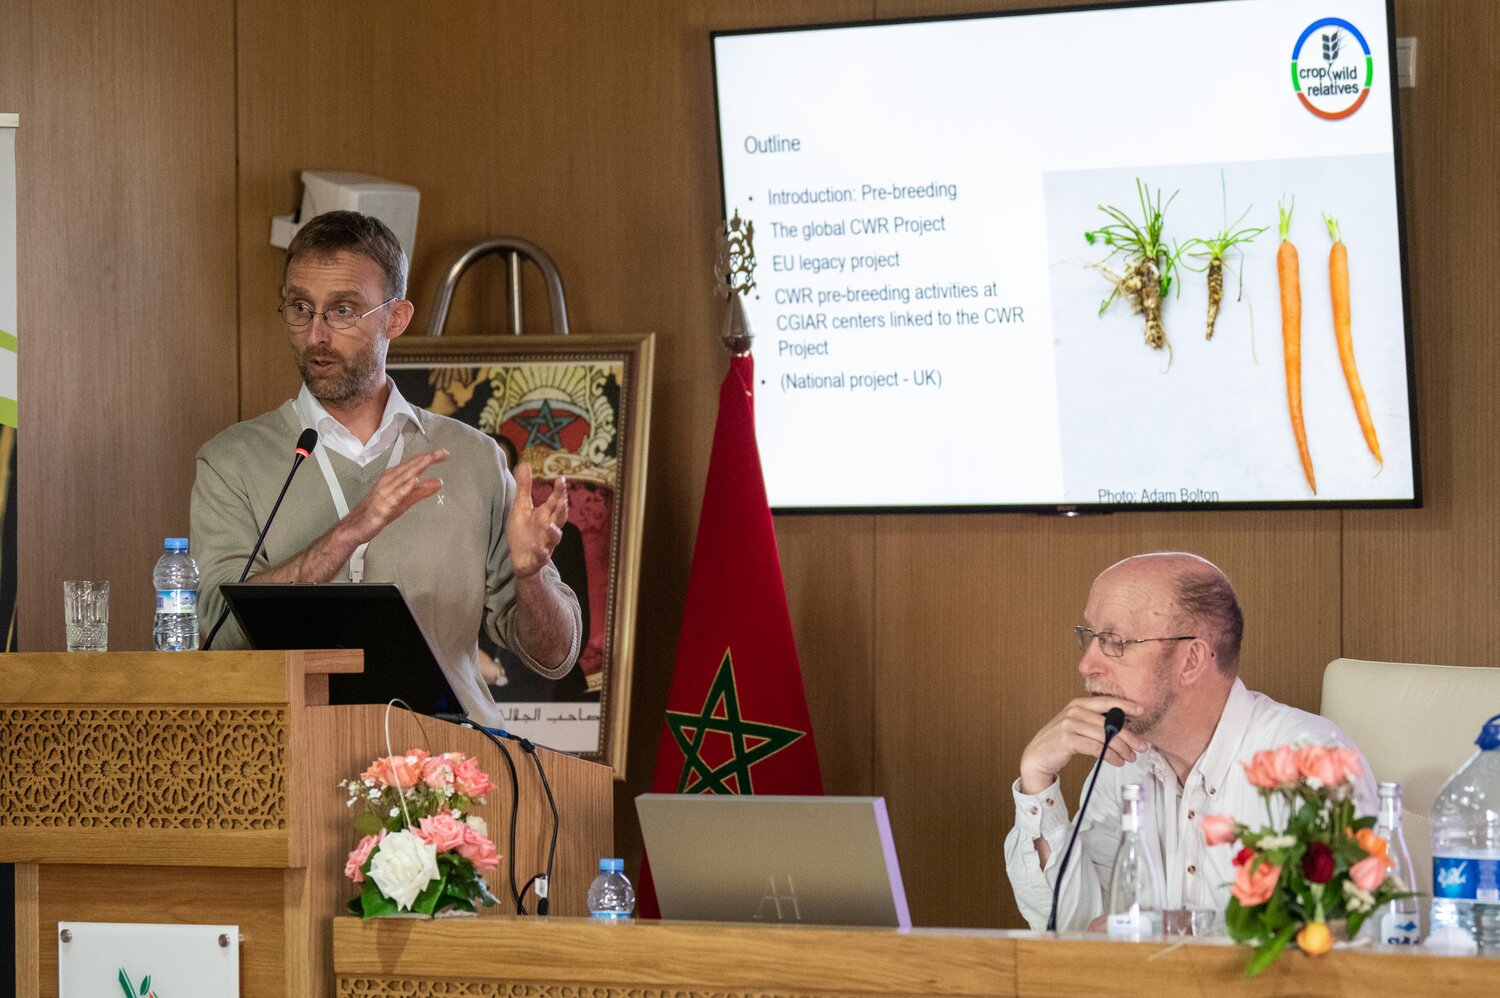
(1415,724)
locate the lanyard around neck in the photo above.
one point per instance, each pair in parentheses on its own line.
(341,504)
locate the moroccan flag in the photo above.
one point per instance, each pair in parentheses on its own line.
(737,718)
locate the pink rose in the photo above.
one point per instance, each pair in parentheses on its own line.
(437,771)
(1284,765)
(443,830)
(1218,829)
(1368,873)
(397,770)
(1351,761)
(478,849)
(1255,886)
(469,779)
(1258,771)
(359,855)
(1316,762)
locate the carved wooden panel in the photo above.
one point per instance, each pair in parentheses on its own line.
(410,987)
(217,769)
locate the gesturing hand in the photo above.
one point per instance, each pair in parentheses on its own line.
(1077,730)
(533,531)
(395,492)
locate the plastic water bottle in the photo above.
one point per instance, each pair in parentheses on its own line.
(1135,889)
(1398,923)
(176,581)
(1466,851)
(611,898)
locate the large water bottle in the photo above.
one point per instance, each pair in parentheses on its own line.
(176,581)
(1135,889)
(1466,851)
(611,898)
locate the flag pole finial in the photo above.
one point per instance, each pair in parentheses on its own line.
(735,270)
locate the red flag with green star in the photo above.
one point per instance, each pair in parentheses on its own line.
(737,719)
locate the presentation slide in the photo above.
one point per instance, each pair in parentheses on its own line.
(1103,258)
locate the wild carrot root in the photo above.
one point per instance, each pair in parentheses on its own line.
(1215,292)
(1142,287)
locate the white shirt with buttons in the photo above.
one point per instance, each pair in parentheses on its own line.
(1194,874)
(336,437)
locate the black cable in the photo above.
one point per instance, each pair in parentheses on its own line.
(530,749)
(515,806)
(518,895)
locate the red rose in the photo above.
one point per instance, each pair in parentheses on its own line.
(1317,863)
(1244,856)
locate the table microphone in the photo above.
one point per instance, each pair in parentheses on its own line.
(1114,720)
(305,445)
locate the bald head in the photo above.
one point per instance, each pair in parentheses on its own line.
(1192,588)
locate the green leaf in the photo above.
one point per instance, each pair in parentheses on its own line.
(125,984)
(426,902)
(368,824)
(1267,954)
(373,904)
(145,986)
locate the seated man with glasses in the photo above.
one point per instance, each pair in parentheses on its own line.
(1161,641)
(470,549)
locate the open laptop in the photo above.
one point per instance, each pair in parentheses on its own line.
(815,860)
(371,616)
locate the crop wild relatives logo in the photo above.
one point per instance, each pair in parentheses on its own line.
(1332,68)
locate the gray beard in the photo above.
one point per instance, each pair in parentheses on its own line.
(352,379)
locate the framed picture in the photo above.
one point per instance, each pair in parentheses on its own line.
(576,406)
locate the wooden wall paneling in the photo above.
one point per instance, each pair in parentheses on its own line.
(1421,585)
(973,655)
(828,563)
(127,287)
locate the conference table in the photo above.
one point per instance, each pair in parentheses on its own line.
(508,955)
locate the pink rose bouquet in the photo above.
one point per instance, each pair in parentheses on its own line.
(1323,866)
(421,849)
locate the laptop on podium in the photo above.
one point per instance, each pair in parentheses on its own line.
(371,616)
(813,860)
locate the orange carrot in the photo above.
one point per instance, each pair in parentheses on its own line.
(1291,337)
(1338,289)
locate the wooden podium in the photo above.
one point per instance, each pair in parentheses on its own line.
(202,787)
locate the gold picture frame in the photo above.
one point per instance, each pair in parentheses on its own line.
(577,406)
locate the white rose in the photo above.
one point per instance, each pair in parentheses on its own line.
(475,822)
(402,866)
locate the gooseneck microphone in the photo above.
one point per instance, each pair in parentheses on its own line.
(305,445)
(1114,720)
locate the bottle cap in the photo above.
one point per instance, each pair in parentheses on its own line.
(176,543)
(1132,791)
(611,866)
(1489,735)
(1389,789)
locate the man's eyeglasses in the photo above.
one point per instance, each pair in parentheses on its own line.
(298,314)
(1112,644)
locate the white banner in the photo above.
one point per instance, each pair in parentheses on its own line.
(127,960)
(8,309)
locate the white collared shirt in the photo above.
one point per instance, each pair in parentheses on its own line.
(1194,875)
(336,437)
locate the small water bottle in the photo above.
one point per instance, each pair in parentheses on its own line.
(1135,889)
(176,582)
(611,898)
(1466,852)
(1398,923)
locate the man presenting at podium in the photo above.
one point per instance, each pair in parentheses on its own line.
(400,494)
(1161,641)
